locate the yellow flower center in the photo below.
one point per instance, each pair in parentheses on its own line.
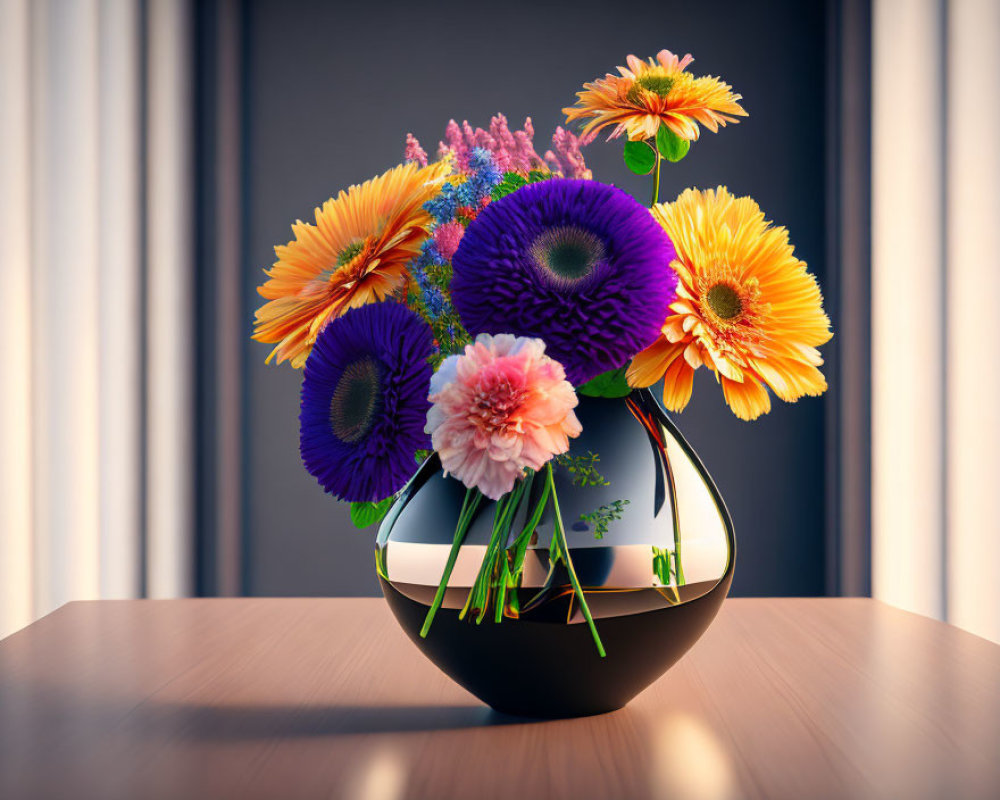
(732,308)
(658,84)
(355,400)
(350,267)
(349,253)
(724,301)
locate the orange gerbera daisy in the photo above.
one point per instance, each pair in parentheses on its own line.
(356,253)
(648,93)
(746,308)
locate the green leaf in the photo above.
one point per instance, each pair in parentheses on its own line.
(640,157)
(422,455)
(365,514)
(539,175)
(511,182)
(608,384)
(671,146)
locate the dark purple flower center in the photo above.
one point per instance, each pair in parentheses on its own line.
(356,400)
(567,254)
(724,301)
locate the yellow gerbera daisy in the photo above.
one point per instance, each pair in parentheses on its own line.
(746,308)
(356,253)
(648,93)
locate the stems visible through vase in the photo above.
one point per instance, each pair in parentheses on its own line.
(503,564)
(652,428)
(469,506)
(559,539)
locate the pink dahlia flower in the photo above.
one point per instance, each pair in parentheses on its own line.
(499,408)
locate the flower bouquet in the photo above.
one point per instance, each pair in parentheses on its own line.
(478,335)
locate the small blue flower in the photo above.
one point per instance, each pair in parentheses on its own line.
(483,176)
(443,206)
(435,301)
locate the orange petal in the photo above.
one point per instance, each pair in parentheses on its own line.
(692,354)
(650,365)
(748,400)
(677,385)
(791,379)
(673,329)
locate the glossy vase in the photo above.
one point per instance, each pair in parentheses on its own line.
(654,581)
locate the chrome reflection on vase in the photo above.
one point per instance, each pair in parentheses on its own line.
(653,581)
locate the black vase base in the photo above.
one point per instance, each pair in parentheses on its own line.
(551,670)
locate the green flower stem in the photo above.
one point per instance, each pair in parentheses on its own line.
(524,537)
(671,486)
(475,600)
(656,179)
(503,583)
(513,562)
(655,431)
(675,518)
(563,546)
(500,555)
(479,594)
(509,576)
(488,575)
(469,506)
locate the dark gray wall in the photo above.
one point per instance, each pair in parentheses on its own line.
(330,93)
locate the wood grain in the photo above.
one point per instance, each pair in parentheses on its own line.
(316,698)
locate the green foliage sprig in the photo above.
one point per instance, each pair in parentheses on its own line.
(583,469)
(601,518)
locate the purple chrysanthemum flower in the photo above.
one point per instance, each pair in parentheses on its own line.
(577,263)
(364,401)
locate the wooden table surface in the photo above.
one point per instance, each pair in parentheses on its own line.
(249,698)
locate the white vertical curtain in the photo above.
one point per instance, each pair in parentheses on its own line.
(936,332)
(95,386)
(16,592)
(169,300)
